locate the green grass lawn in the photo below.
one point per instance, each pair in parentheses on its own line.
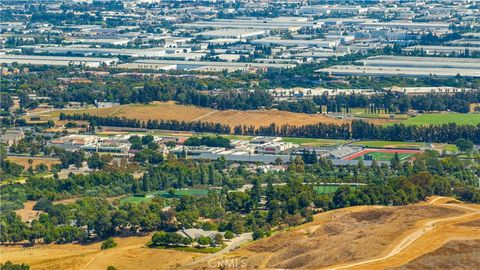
(325,189)
(360,112)
(386,156)
(313,142)
(390,144)
(444,118)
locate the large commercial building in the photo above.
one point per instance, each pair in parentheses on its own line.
(232,33)
(407,25)
(409,66)
(321,43)
(442,50)
(281,23)
(57,60)
(199,65)
(326,10)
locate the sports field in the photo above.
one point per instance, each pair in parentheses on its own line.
(325,189)
(391,144)
(383,154)
(313,142)
(444,118)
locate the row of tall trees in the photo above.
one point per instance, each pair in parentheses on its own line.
(358,129)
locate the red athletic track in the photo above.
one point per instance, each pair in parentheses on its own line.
(369,150)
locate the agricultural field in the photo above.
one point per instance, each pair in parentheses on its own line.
(444,118)
(172,111)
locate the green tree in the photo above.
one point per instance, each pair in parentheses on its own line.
(229,235)
(109,243)
(464,145)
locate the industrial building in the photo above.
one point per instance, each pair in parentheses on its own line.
(410,66)
(442,50)
(56,60)
(321,43)
(232,33)
(199,65)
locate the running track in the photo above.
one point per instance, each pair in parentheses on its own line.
(393,151)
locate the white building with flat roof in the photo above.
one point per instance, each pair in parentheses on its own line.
(57,60)
(233,33)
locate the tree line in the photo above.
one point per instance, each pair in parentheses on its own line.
(357,129)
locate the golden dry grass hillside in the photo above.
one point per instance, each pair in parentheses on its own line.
(439,234)
(364,237)
(172,111)
(131,253)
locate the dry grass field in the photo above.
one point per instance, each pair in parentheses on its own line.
(457,254)
(36,161)
(439,234)
(172,111)
(131,253)
(365,237)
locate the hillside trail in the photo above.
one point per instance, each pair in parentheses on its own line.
(236,242)
(409,239)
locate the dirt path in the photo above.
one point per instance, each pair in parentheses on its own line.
(203,116)
(117,110)
(411,238)
(236,242)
